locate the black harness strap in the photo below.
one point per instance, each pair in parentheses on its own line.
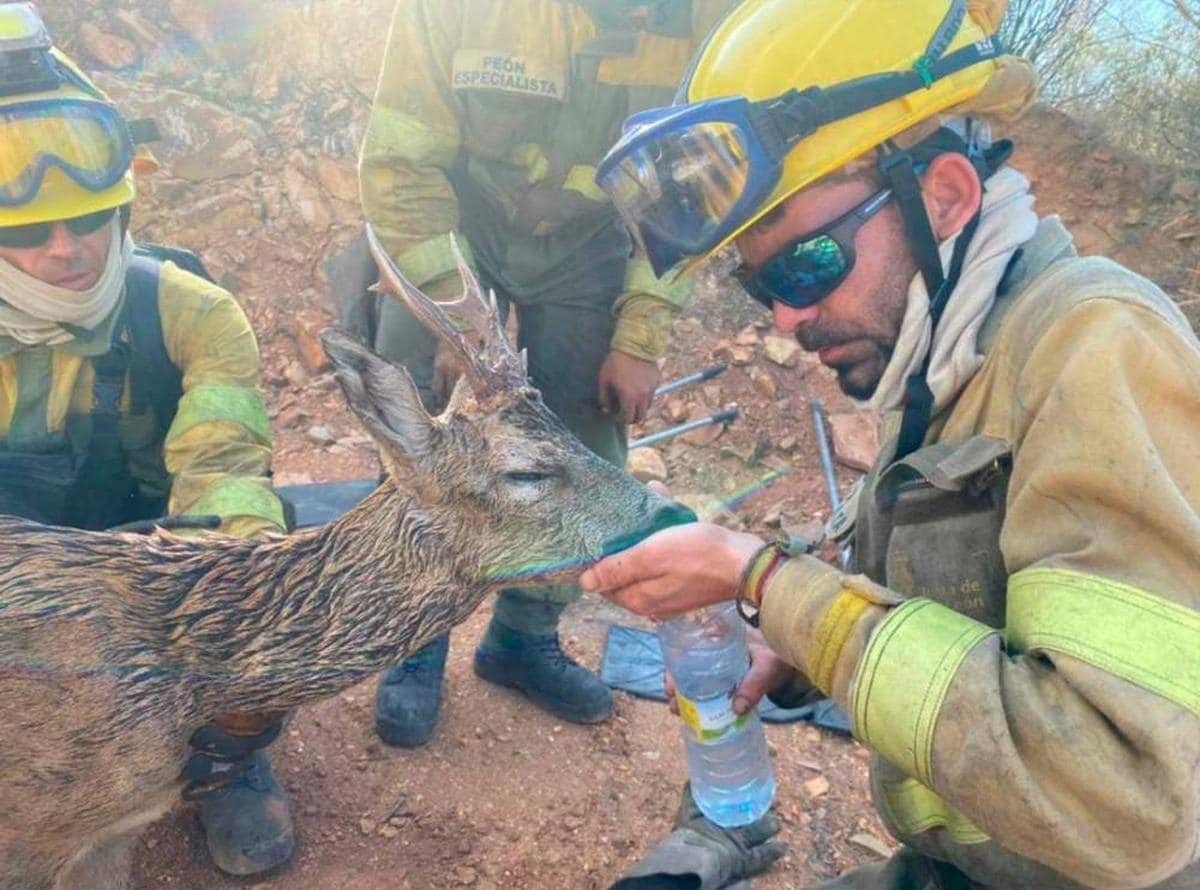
(918,397)
(154,379)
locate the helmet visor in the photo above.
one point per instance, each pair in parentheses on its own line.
(681,188)
(85,139)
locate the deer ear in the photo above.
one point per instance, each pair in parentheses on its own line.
(383,396)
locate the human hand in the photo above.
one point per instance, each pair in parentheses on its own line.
(673,571)
(626,385)
(767,673)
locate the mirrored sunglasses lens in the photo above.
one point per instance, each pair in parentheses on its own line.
(807,272)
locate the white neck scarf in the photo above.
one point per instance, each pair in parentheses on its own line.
(1007,221)
(35,311)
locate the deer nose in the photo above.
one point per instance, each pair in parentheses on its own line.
(667,514)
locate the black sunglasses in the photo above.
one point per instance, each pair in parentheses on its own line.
(809,268)
(37,234)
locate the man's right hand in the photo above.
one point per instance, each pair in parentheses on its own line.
(767,673)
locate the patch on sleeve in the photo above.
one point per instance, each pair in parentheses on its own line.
(506,72)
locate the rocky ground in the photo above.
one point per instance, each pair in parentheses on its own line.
(261,108)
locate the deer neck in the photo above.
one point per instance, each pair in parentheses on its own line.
(318,611)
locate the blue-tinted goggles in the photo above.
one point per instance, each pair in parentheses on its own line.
(686,177)
(808,269)
(84,138)
(683,178)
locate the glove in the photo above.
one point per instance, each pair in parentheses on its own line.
(699,855)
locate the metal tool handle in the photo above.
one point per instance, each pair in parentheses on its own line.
(831,486)
(699,377)
(724,416)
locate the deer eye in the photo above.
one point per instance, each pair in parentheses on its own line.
(529,477)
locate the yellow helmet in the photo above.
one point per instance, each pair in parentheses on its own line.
(766,47)
(65,151)
(785,93)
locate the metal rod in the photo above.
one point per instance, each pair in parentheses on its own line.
(720,417)
(699,377)
(818,416)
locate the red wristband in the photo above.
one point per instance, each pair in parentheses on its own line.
(754,578)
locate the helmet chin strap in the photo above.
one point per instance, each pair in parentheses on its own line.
(899,171)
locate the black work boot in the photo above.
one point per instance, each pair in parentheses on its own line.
(247,821)
(409,696)
(537,666)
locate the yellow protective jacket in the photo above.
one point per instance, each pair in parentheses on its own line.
(489,119)
(1033,699)
(215,456)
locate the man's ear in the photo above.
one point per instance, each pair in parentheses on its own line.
(952,193)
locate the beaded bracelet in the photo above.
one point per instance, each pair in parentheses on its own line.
(754,577)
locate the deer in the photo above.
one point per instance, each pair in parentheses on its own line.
(115,647)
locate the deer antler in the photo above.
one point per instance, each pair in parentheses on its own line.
(492,368)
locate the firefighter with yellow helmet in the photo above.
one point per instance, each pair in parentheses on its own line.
(128,385)
(1018,639)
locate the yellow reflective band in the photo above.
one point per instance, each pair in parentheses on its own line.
(71,389)
(1138,636)
(392,134)
(431,259)
(582,178)
(640,279)
(530,156)
(905,675)
(916,809)
(240,496)
(831,634)
(643,327)
(212,403)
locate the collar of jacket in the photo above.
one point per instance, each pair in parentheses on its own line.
(1050,243)
(87,343)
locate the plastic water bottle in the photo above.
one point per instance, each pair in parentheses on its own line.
(730,769)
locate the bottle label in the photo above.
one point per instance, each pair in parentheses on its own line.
(711,718)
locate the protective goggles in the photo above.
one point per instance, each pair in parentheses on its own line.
(37,234)
(685,178)
(810,268)
(87,140)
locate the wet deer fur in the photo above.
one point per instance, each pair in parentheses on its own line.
(116,648)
